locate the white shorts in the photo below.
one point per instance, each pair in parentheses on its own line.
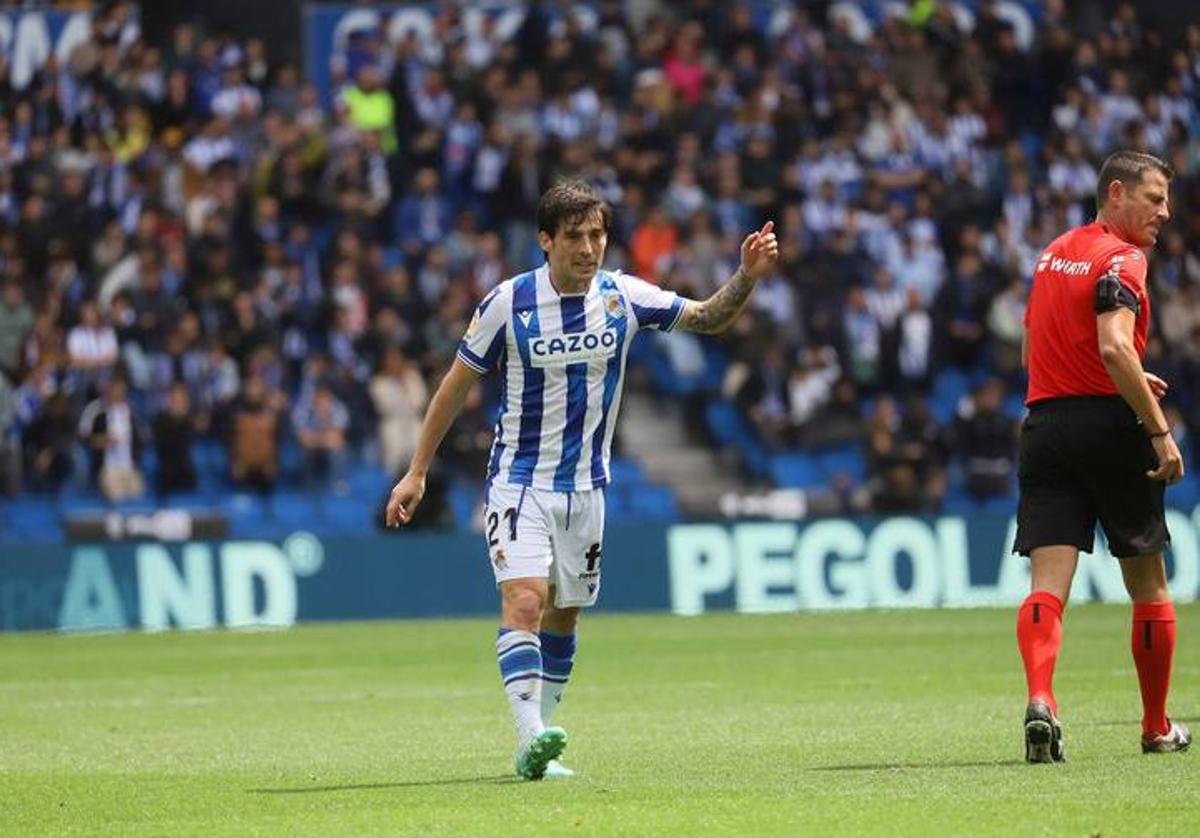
(542,534)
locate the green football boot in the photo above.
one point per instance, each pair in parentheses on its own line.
(533,758)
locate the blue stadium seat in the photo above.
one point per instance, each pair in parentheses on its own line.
(626,472)
(948,388)
(847,460)
(463,499)
(730,430)
(30,518)
(797,469)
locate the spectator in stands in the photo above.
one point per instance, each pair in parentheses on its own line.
(114,439)
(961,310)
(320,423)
(839,421)
(16,322)
(914,352)
(469,442)
(254,440)
(810,388)
(1006,327)
(653,242)
(174,428)
(423,217)
(10,439)
(92,346)
(985,441)
(763,398)
(891,467)
(399,394)
(924,445)
(49,444)
(862,340)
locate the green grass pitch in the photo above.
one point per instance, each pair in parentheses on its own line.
(900,723)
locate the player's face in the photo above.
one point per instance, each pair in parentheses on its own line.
(1147,209)
(576,251)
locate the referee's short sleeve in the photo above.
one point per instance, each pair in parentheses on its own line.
(1125,275)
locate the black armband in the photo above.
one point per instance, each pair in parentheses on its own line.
(1111,295)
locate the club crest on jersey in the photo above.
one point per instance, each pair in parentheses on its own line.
(572,348)
(613,304)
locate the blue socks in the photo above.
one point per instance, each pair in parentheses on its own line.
(558,659)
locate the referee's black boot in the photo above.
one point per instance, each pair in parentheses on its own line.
(1043,734)
(1177,738)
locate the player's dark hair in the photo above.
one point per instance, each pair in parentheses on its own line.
(1129,167)
(570,202)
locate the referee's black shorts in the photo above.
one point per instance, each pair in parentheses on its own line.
(1082,460)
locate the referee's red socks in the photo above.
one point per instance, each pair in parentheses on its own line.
(1153,644)
(1039,636)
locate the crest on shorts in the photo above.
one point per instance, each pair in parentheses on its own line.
(499,559)
(613,304)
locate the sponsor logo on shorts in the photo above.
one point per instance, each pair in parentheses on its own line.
(499,559)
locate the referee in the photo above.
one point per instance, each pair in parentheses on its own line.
(1096,446)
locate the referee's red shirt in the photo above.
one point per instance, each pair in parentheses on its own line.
(1060,320)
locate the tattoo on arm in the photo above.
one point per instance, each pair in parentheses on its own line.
(718,311)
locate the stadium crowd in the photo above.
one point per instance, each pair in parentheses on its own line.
(196,248)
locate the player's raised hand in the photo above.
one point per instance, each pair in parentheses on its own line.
(404,499)
(760,252)
(1157,386)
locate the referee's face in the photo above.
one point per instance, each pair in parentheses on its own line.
(575,252)
(1145,209)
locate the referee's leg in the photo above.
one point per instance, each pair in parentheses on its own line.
(1152,641)
(1039,621)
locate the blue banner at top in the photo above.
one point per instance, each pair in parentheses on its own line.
(29,37)
(338,39)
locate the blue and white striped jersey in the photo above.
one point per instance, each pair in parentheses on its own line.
(562,364)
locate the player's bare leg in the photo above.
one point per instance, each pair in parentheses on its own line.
(518,650)
(558,659)
(1039,637)
(1153,645)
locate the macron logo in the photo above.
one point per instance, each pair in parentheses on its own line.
(525,317)
(1058,265)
